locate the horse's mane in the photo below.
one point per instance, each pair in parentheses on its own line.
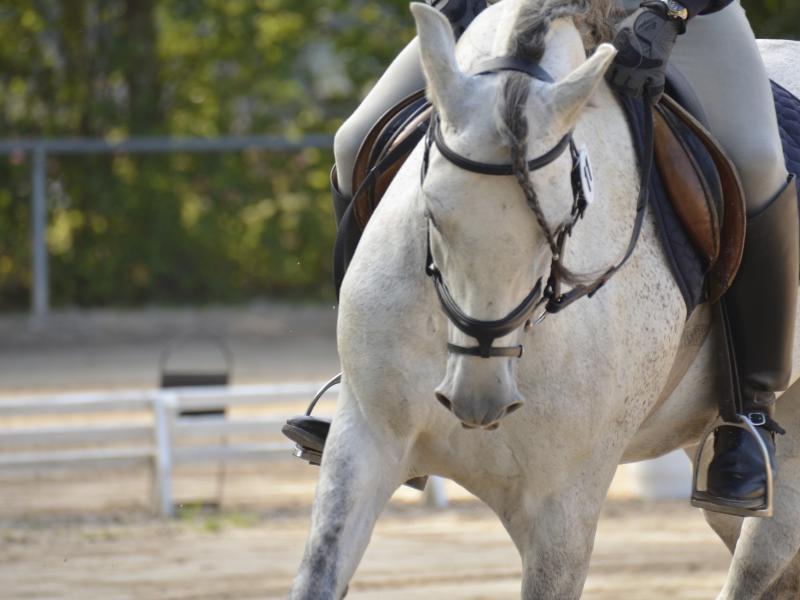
(595,21)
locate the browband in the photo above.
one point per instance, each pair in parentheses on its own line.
(465,163)
(511,63)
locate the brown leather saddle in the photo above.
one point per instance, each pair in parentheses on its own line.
(384,151)
(700,180)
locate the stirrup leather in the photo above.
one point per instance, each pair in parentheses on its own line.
(702,499)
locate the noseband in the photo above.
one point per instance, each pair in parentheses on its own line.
(485,332)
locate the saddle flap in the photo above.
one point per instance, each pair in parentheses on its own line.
(733,217)
(693,188)
(384,151)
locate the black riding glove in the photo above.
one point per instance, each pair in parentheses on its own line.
(644,42)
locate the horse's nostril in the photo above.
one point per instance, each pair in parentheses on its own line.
(444,401)
(512,407)
(493,426)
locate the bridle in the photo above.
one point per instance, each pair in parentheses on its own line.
(485,332)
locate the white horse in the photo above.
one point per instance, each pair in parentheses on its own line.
(619,377)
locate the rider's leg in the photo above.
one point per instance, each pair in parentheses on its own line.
(359,473)
(719,56)
(403,77)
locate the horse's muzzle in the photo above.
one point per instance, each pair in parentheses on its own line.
(479,393)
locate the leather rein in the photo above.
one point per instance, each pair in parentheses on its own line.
(485,332)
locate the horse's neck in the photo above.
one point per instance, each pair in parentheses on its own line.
(601,237)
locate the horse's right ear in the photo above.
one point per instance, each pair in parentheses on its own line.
(437,49)
(571,93)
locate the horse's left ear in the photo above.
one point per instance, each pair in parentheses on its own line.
(570,95)
(437,48)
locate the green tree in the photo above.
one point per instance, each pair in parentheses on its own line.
(778,19)
(182,228)
(192,228)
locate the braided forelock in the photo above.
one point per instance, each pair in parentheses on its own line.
(594,19)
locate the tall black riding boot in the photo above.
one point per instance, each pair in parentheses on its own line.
(309,432)
(760,306)
(340,201)
(348,232)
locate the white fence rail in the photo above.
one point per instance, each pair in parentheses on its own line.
(157,444)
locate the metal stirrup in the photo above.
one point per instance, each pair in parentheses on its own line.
(337,379)
(702,499)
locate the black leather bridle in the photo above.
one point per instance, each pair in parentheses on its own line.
(485,332)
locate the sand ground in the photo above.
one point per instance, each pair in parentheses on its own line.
(90,535)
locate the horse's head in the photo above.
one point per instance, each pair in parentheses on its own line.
(493,237)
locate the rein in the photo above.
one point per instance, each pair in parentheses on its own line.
(485,332)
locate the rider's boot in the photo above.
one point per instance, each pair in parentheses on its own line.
(760,306)
(340,201)
(306,431)
(309,433)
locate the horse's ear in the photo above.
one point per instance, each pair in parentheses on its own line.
(437,48)
(570,95)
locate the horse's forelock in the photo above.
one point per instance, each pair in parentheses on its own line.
(595,21)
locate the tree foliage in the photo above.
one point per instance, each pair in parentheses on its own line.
(778,19)
(189,227)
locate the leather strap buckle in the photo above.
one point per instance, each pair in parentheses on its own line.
(757,418)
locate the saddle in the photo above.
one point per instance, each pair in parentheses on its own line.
(696,193)
(384,151)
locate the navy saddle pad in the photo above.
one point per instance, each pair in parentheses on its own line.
(686,264)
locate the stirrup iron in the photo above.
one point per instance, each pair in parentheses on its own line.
(308,450)
(313,455)
(702,499)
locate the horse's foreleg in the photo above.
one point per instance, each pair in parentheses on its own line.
(767,548)
(358,475)
(556,542)
(787,586)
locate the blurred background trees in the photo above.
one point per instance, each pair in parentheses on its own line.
(183,228)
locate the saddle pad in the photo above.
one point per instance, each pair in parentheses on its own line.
(787,107)
(684,260)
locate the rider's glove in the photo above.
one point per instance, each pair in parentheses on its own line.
(644,42)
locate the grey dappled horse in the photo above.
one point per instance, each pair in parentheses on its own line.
(619,377)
